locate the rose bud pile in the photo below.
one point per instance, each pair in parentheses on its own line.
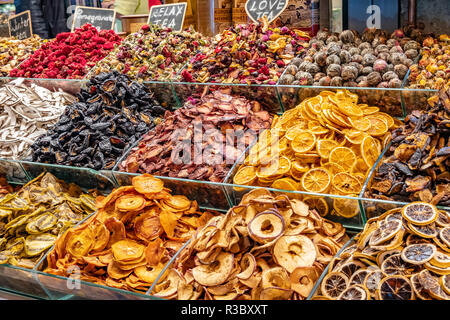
(247,54)
(194,141)
(70,56)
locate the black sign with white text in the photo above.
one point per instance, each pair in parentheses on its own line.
(168,15)
(20,25)
(102,19)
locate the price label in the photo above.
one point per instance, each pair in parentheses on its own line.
(168,15)
(256,9)
(20,25)
(102,19)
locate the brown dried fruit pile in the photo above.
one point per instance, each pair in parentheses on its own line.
(127,243)
(267,247)
(416,166)
(193,142)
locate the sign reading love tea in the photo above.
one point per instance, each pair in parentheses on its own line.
(168,15)
(102,19)
(20,26)
(257,9)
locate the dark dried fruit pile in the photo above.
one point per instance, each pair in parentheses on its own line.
(247,54)
(111,115)
(169,150)
(416,166)
(70,55)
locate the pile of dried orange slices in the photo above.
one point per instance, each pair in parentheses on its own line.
(327,144)
(403,254)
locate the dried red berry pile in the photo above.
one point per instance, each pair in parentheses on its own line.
(247,54)
(70,55)
(196,141)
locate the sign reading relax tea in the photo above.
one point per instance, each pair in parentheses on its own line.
(102,19)
(256,9)
(168,15)
(20,25)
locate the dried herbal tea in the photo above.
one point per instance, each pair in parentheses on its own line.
(32,218)
(108,117)
(404,254)
(127,243)
(196,141)
(416,166)
(14,51)
(268,247)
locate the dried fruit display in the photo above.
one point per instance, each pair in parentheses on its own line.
(327,144)
(194,141)
(433,69)
(14,51)
(404,254)
(32,218)
(153,53)
(247,54)
(268,247)
(127,243)
(373,59)
(5,187)
(26,112)
(416,166)
(107,118)
(70,56)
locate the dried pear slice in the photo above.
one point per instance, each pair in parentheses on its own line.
(292,252)
(215,273)
(266,226)
(41,223)
(38,243)
(248,266)
(420,213)
(418,253)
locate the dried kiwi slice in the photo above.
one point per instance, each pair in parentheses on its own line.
(37,243)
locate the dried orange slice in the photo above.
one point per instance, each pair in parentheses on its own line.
(130,202)
(246,175)
(395,265)
(360,124)
(420,213)
(378,126)
(285,184)
(316,180)
(343,156)
(303,142)
(317,203)
(386,230)
(350,109)
(389,120)
(146,183)
(268,170)
(370,151)
(395,288)
(418,253)
(333,168)
(333,284)
(292,132)
(444,234)
(346,183)
(354,292)
(324,147)
(369,110)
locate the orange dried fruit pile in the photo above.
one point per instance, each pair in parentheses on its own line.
(327,144)
(267,247)
(127,243)
(404,254)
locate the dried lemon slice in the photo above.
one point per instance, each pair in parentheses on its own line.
(316,180)
(333,284)
(419,290)
(420,213)
(428,231)
(354,292)
(386,230)
(418,253)
(372,280)
(395,288)
(347,208)
(441,260)
(445,283)
(359,277)
(431,284)
(395,265)
(444,234)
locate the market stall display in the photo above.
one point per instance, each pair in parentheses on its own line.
(153,53)
(373,59)
(13,52)
(268,247)
(416,165)
(197,141)
(109,116)
(27,111)
(327,144)
(401,255)
(246,54)
(34,216)
(433,69)
(135,232)
(70,56)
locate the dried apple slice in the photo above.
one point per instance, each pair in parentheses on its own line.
(168,287)
(266,226)
(215,273)
(292,252)
(303,280)
(149,274)
(275,293)
(248,266)
(275,277)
